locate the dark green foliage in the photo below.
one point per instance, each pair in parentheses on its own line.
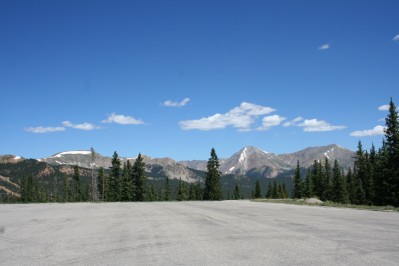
(191,193)
(139,179)
(213,190)
(67,189)
(31,191)
(127,181)
(181,192)
(236,194)
(339,191)
(391,176)
(101,184)
(326,179)
(198,191)
(308,185)
(114,192)
(269,190)
(167,190)
(78,185)
(298,186)
(258,190)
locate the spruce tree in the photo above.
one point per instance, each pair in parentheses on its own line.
(115,180)
(275,193)
(213,190)
(181,192)
(67,189)
(326,181)
(78,184)
(392,146)
(139,179)
(269,190)
(198,191)
(258,190)
(236,194)
(339,190)
(308,185)
(167,190)
(191,193)
(101,183)
(127,190)
(298,187)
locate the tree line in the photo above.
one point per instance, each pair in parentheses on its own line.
(374,179)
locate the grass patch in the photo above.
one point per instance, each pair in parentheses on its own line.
(330,204)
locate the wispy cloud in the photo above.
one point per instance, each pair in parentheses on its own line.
(241,117)
(169,103)
(122,120)
(377,130)
(396,38)
(324,46)
(385,107)
(293,122)
(314,125)
(44,129)
(83,126)
(271,121)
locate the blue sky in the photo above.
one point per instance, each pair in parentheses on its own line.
(175,78)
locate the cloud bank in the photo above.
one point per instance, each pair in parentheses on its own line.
(44,129)
(377,130)
(240,117)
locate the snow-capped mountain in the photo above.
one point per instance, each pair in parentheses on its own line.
(155,166)
(251,160)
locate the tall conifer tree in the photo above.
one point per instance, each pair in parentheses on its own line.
(213,190)
(139,179)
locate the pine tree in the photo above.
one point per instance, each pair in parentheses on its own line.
(213,190)
(115,180)
(339,191)
(269,190)
(275,193)
(78,184)
(284,191)
(308,185)
(258,190)
(101,183)
(191,193)
(392,146)
(198,191)
(181,192)
(127,189)
(139,179)
(67,189)
(326,181)
(236,194)
(298,186)
(167,190)
(351,186)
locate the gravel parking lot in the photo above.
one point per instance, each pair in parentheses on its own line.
(195,233)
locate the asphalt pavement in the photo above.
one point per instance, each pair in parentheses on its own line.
(195,233)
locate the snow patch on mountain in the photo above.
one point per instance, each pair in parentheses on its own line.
(72,152)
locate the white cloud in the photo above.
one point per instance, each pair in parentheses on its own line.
(396,38)
(44,129)
(378,130)
(293,122)
(314,125)
(241,117)
(83,126)
(122,119)
(384,107)
(324,46)
(176,104)
(271,121)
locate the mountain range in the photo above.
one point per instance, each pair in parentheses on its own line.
(245,166)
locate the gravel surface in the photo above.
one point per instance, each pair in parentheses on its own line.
(195,233)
